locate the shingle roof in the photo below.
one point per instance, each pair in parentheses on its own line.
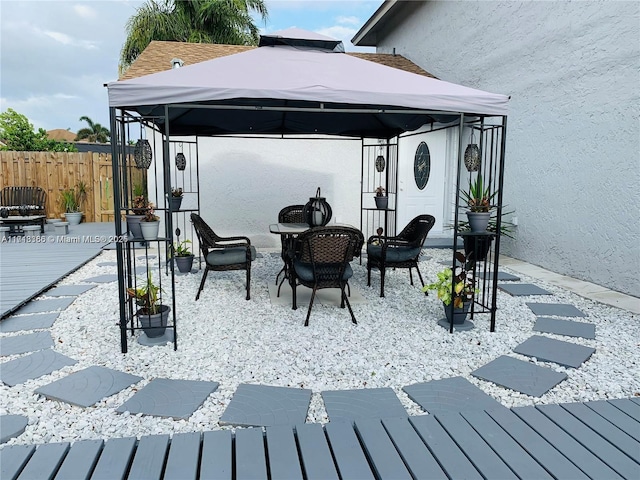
(158,55)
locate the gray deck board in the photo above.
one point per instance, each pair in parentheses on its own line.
(453,461)
(382,453)
(627,406)
(314,452)
(346,449)
(537,442)
(80,461)
(45,461)
(620,419)
(13,459)
(413,451)
(592,441)
(565,443)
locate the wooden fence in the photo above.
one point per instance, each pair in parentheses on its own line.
(58,171)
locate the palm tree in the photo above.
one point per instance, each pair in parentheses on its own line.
(94,133)
(195,21)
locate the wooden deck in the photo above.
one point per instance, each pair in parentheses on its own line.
(599,440)
(29,266)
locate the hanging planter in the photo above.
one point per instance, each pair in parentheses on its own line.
(472,155)
(181,161)
(142,154)
(317,211)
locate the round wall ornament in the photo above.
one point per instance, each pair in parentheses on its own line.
(380,163)
(422,165)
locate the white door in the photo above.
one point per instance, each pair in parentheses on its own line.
(430,199)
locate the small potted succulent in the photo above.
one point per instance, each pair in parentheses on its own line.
(150,223)
(382,201)
(183,256)
(152,314)
(175,199)
(478,198)
(455,289)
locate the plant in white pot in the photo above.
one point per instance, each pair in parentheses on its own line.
(150,224)
(382,201)
(478,199)
(455,289)
(183,256)
(72,200)
(152,314)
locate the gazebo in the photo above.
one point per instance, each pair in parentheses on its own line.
(294,83)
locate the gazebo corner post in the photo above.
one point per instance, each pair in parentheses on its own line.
(455,219)
(115,165)
(168,216)
(496,260)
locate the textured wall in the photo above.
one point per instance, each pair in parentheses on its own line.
(573,136)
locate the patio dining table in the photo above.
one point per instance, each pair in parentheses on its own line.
(288,231)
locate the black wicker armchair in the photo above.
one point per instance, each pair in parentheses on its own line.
(223,253)
(321,260)
(289,214)
(401,251)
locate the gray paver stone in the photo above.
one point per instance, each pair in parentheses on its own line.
(163,397)
(28,322)
(104,278)
(522,289)
(569,328)
(48,305)
(68,290)
(33,366)
(351,405)
(502,276)
(264,405)
(12,426)
(88,386)
(30,342)
(520,376)
(557,309)
(557,351)
(455,394)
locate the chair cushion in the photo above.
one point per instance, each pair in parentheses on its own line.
(305,270)
(230,256)
(394,254)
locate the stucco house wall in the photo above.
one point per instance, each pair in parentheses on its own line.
(573,136)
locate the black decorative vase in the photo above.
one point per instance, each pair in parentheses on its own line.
(476,247)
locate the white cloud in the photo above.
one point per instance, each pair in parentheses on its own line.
(339,32)
(84,11)
(68,40)
(348,20)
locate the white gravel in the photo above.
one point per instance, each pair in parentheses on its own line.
(226,339)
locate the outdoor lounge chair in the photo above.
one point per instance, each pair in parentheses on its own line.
(401,251)
(321,260)
(223,253)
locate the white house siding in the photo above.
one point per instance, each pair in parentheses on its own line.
(573,136)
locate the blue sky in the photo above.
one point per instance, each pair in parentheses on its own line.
(56,55)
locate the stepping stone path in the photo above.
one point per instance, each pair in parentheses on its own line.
(502,276)
(263,405)
(351,405)
(276,407)
(163,397)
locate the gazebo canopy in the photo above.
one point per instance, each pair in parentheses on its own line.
(298,82)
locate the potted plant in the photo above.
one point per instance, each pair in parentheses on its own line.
(382,201)
(175,199)
(150,223)
(72,200)
(476,247)
(183,256)
(152,314)
(455,289)
(478,199)
(139,206)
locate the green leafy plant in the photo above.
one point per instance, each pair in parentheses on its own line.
(182,249)
(458,287)
(478,196)
(73,198)
(147,296)
(176,192)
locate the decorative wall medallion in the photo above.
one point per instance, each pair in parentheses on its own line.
(380,163)
(181,161)
(422,165)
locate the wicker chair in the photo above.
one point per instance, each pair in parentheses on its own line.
(321,260)
(401,251)
(290,214)
(223,253)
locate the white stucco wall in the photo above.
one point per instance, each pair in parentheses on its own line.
(573,136)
